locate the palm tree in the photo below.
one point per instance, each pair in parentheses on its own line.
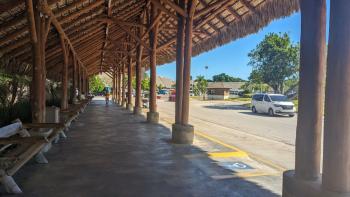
(201,85)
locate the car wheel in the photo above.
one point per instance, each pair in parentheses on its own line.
(254,110)
(271,113)
(291,115)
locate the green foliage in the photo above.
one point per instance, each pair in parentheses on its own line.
(274,60)
(21,110)
(145,84)
(200,86)
(247,95)
(250,87)
(160,87)
(12,88)
(95,84)
(226,78)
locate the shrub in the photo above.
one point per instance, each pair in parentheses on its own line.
(247,95)
(21,110)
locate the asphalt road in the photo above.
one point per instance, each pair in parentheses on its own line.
(270,138)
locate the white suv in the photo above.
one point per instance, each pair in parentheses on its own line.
(272,104)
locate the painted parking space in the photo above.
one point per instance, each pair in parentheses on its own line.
(229,161)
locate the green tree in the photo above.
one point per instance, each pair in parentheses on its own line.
(226,78)
(201,86)
(160,87)
(275,60)
(145,83)
(95,84)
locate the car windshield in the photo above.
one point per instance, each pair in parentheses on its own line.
(278,98)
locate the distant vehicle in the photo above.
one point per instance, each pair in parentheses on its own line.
(163,92)
(145,102)
(272,104)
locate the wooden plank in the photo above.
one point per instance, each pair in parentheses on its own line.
(26,156)
(43,125)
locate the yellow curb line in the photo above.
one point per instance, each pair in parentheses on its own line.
(244,175)
(237,154)
(218,141)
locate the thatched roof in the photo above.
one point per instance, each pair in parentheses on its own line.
(165,82)
(99,30)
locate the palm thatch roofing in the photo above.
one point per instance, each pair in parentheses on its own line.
(104,32)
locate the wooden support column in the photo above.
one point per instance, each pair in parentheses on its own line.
(74,80)
(123,85)
(138,99)
(87,83)
(129,105)
(64,85)
(336,155)
(153,115)
(119,86)
(79,80)
(182,131)
(179,64)
(113,86)
(187,61)
(39,27)
(83,82)
(311,89)
(116,85)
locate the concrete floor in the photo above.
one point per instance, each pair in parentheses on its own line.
(110,152)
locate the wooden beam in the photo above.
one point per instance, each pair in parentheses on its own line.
(211,7)
(212,15)
(30,13)
(177,8)
(152,25)
(122,22)
(84,10)
(248,5)
(133,36)
(162,8)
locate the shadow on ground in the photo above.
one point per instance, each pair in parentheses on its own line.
(110,152)
(264,115)
(227,107)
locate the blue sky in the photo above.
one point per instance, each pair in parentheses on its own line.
(232,58)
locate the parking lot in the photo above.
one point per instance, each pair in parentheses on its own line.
(270,139)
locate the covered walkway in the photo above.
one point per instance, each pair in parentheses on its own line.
(110,152)
(68,42)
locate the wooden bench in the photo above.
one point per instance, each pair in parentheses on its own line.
(67,117)
(70,115)
(21,142)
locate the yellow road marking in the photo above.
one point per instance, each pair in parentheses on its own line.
(217,141)
(244,175)
(255,157)
(237,154)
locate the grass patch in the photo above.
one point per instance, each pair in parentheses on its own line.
(199,98)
